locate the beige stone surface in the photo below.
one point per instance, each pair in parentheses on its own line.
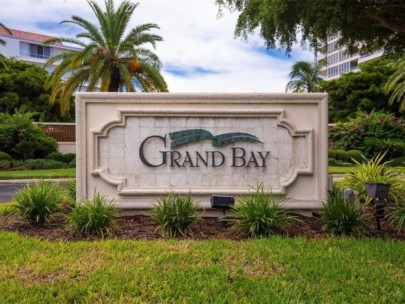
(112,126)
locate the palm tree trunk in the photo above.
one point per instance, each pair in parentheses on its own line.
(115,81)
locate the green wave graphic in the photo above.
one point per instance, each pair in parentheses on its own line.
(181,138)
(229,138)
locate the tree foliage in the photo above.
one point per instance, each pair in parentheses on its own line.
(22,88)
(108,57)
(375,23)
(360,91)
(304,77)
(396,85)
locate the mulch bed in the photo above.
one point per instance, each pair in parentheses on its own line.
(141,227)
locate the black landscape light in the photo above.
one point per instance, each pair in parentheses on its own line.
(223,203)
(380,192)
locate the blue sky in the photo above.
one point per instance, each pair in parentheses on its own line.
(199,51)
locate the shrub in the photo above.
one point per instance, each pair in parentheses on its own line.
(22,139)
(71,189)
(354,154)
(36,164)
(72,163)
(374,171)
(38,203)
(260,213)
(396,215)
(400,161)
(5,156)
(55,156)
(174,214)
(93,217)
(68,157)
(395,148)
(341,155)
(351,134)
(332,153)
(341,217)
(6,164)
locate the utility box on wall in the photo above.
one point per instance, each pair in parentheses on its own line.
(137,147)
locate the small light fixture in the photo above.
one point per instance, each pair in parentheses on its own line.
(222,202)
(380,192)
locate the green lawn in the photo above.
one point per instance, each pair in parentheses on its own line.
(272,270)
(27,174)
(71,173)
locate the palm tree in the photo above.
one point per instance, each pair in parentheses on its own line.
(2,42)
(304,77)
(396,83)
(108,57)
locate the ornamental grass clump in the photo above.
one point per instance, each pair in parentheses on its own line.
(38,203)
(374,170)
(93,217)
(260,213)
(396,215)
(174,214)
(342,217)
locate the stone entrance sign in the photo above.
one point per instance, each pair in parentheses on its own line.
(136,147)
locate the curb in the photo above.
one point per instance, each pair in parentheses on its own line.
(33,180)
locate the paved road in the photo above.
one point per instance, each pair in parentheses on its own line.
(7,191)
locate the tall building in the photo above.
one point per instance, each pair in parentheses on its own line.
(339,61)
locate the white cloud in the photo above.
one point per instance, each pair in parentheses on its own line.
(193,38)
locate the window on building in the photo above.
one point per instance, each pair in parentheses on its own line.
(39,51)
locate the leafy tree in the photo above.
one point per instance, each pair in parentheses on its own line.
(375,23)
(2,42)
(305,77)
(22,88)
(396,83)
(108,56)
(360,91)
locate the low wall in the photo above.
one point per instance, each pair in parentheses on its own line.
(67,147)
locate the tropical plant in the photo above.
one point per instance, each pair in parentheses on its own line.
(396,83)
(174,214)
(93,217)
(2,42)
(342,217)
(396,215)
(108,57)
(38,203)
(375,24)
(374,170)
(261,213)
(304,77)
(71,189)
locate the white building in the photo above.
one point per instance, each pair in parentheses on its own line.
(29,47)
(339,61)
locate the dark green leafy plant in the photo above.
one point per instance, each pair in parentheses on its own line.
(38,203)
(55,156)
(174,214)
(341,217)
(68,157)
(36,164)
(260,213)
(5,156)
(396,215)
(93,217)
(71,189)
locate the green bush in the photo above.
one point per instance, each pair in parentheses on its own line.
(341,155)
(5,156)
(332,153)
(55,156)
(351,134)
(260,213)
(398,162)
(396,215)
(341,217)
(6,164)
(394,147)
(354,154)
(72,163)
(23,139)
(174,214)
(71,189)
(374,171)
(93,217)
(68,157)
(37,164)
(38,203)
